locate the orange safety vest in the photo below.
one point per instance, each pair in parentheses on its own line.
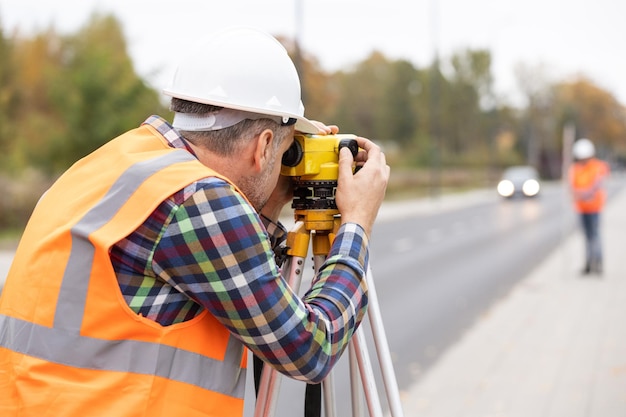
(587,177)
(69,343)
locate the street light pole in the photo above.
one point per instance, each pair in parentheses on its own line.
(298,60)
(435,94)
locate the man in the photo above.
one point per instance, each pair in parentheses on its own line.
(587,176)
(149,265)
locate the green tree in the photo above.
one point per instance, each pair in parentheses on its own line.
(7,98)
(360,92)
(35,118)
(399,120)
(468,96)
(538,135)
(76,93)
(378,99)
(98,92)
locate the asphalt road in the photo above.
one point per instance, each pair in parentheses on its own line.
(437,273)
(438,269)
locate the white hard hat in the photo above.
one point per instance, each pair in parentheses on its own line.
(242,69)
(583,149)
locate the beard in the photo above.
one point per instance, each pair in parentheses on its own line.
(257,188)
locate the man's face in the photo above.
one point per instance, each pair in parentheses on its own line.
(258,188)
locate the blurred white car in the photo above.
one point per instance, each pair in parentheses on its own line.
(520,180)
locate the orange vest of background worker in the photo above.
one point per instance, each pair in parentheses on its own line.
(587,176)
(61,358)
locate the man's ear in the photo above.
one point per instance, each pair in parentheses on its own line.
(263,149)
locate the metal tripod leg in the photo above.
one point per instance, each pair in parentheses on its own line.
(367,374)
(382,348)
(270,379)
(359,354)
(355,389)
(328,385)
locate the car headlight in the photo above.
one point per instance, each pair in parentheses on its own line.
(530,188)
(506,188)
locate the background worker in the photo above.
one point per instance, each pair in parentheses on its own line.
(149,265)
(587,175)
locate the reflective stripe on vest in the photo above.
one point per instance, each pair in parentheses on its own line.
(63,343)
(147,358)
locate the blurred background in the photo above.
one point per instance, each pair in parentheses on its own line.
(456,92)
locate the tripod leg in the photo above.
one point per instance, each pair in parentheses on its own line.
(328,386)
(313,400)
(382,349)
(267,393)
(367,374)
(270,381)
(257,370)
(355,389)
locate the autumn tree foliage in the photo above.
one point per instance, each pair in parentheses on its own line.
(62,96)
(595,112)
(67,95)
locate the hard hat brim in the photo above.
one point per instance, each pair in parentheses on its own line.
(303,124)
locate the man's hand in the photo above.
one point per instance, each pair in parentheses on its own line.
(328,130)
(359,196)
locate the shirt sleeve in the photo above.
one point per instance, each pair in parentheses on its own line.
(217,251)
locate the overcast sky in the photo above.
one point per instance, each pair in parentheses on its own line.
(563,37)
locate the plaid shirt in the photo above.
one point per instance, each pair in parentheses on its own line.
(205,247)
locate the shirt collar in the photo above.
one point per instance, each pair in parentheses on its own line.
(170,134)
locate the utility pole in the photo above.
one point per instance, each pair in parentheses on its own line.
(569,132)
(298,60)
(435,105)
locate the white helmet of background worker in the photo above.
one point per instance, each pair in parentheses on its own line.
(583,149)
(243,69)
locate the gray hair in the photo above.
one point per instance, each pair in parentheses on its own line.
(230,140)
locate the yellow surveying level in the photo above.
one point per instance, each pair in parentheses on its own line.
(317,218)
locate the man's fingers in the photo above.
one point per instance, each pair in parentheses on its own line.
(345,162)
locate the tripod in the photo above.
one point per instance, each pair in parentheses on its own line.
(324,223)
